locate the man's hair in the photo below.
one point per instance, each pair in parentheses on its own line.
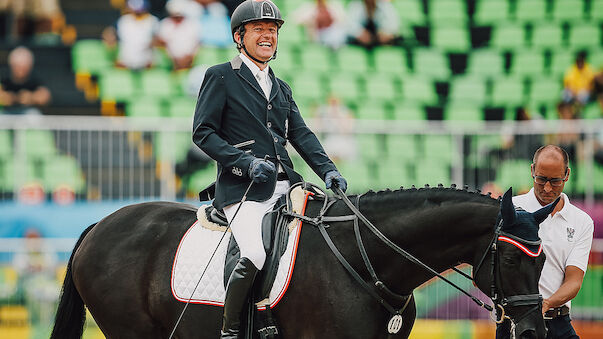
(555,148)
(19,54)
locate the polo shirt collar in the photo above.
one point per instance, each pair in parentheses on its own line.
(564,212)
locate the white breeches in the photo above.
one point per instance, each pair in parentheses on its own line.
(247,225)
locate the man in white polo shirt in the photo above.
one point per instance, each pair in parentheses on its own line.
(566,235)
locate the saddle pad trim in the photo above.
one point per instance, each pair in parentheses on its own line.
(292,265)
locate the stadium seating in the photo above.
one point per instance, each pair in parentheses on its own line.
(491,11)
(508,90)
(431,63)
(547,35)
(568,10)
(531,10)
(508,36)
(488,62)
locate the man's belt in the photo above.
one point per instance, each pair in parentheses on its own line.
(556,312)
(282,176)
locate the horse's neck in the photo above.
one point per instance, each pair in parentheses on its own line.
(440,236)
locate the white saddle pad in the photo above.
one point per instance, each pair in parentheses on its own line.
(194,252)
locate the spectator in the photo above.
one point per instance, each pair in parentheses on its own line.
(372,23)
(578,81)
(136,32)
(598,88)
(568,137)
(324,22)
(337,124)
(21,91)
(215,22)
(179,34)
(32,18)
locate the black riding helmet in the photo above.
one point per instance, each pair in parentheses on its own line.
(254,10)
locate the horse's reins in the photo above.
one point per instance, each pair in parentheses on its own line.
(210,258)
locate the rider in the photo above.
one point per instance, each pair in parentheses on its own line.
(243,120)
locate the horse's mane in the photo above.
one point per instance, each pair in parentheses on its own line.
(415,197)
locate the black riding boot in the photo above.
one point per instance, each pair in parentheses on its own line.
(237,291)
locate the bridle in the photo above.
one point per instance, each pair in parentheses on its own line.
(496,290)
(381,292)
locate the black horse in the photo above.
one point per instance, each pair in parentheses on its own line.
(121,267)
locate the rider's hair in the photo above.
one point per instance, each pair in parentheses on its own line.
(553,148)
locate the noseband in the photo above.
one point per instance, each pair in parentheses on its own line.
(496,291)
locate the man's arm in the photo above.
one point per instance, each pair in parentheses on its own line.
(568,289)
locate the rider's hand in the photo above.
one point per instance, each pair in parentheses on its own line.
(335,178)
(260,170)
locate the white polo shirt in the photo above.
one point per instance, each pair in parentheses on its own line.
(566,240)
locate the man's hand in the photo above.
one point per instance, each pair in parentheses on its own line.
(545,306)
(335,178)
(260,170)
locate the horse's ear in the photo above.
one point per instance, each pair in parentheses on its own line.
(544,212)
(507,209)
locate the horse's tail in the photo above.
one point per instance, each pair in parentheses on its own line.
(70,316)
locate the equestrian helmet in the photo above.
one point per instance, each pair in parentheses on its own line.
(254,10)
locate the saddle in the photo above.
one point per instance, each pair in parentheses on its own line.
(275,236)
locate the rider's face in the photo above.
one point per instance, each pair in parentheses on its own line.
(549,167)
(260,40)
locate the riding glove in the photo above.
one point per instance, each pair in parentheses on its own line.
(335,178)
(260,170)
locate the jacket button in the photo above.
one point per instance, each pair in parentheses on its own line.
(269,124)
(275,139)
(269,106)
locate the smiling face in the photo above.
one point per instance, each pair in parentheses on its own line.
(260,40)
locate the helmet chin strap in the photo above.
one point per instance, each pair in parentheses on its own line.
(256,59)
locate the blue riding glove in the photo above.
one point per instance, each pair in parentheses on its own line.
(335,178)
(260,170)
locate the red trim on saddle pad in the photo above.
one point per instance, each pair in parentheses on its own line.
(520,246)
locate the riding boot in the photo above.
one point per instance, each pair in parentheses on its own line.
(237,291)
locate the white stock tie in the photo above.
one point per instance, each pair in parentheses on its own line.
(261,76)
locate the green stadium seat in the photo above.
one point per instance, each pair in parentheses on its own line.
(568,10)
(308,85)
(561,60)
(450,38)
(392,174)
(209,56)
(595,57)
(182,107)
(406,111)
(531,10)
(410,11)
(508,91)
(508,36)
(144,107)
(596,10)
(592,111)
(432,172)
(345,86)
(419,89)
(371,110)
(6,144)
(485,63)
(317,58)
(39,144)
(171,146)
(514,173)
(382,87)
(291,35)
(527,62)
(403,147)
(390,60)
(547,35)
(488,12)
(545,90)
(584,36)
(360,178)
(90,56)
(439,147)
(158,83)
(462,113)
(447,11)
(16,174)
(285,62)
(468,88)
(353,59)
(63,170)
(431,63)
(369,146)
(117,85)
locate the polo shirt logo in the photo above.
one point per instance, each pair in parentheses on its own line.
(570,234)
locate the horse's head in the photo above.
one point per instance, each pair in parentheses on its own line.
(514,267)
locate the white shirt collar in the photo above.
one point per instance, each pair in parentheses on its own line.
(253,67)
(564,212)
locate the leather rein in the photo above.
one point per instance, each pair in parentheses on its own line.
(379,291)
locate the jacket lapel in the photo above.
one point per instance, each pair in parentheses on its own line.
(275,87)
(245,73)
